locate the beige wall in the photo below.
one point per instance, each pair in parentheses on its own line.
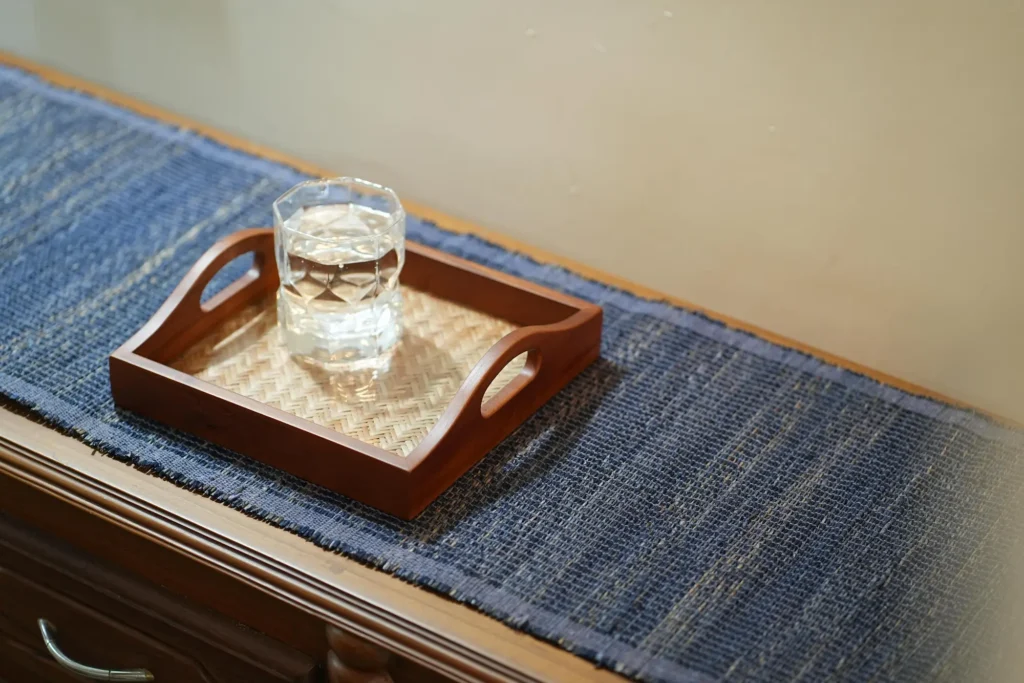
(850,174)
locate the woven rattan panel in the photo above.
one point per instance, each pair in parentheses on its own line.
(392,409)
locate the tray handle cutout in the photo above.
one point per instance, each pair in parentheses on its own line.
(553,354)
(490,406)
(185,318)
(534,341)
(226,250)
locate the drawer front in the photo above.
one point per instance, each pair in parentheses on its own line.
(85,635)
(21,664)
(107,619)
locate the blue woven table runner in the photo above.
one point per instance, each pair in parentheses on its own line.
(699,505)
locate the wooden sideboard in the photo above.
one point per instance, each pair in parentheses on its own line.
(133,572)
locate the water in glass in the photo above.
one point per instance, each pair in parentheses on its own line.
(339,301)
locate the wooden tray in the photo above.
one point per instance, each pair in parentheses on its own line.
(482,351)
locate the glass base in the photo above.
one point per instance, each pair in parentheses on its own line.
(341,338)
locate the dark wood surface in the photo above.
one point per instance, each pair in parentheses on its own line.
(250,573)
(353,659)
(22,664)
(560,334)
(111,619)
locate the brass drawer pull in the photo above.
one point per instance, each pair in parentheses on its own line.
(49,631)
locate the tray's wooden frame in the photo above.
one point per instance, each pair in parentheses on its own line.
(560,334)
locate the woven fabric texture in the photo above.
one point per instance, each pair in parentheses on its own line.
(698,505)
(392,409)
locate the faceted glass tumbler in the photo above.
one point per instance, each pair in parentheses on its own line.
(340,246)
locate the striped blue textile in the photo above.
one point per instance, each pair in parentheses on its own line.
(699,505)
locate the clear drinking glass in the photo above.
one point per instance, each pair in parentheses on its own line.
(340,247)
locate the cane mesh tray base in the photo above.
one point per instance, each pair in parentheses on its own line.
(482,352)
(392,409)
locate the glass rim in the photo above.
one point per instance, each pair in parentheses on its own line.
(396,216)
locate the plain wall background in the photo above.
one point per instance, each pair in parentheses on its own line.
(850,174)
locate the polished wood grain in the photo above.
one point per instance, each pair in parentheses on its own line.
(354,660)
(22,664)
(110,619)
(262,576)
(560,334)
